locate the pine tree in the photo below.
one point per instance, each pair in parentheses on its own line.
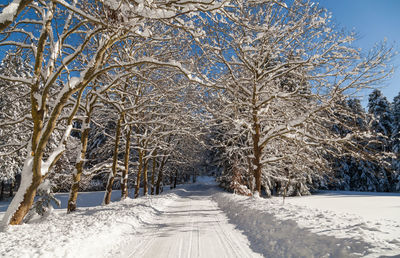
(396,124)
(396,139)
(381,122)
(14,104)
(361,173)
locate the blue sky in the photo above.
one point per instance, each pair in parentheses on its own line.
(373,20)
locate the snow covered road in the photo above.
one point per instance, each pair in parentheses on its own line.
(201,220)
(191,226)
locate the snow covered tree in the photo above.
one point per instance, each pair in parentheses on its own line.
(88,107)
(70,44)
(55,93)
(381,120)
(360,172)
(14,104)
(396,139)
(284,69)
(381,123)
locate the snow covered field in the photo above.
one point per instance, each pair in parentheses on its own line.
(201,220)
(335,224)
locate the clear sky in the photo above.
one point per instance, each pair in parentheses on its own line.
(373,20)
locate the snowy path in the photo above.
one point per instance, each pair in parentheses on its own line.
(191,226)
(201,220)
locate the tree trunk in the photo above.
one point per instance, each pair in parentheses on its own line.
(31,172)
(145,177)
(11,188)
(176,178)
(23,200)
(124,179)
(194,176)
(153,171)
(137,187)
(31,176)
(26,204)
(160,174)
(256,143)
(107,197)
(76,176)
(2,190)
(287,185)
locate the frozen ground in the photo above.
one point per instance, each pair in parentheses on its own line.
(200,220)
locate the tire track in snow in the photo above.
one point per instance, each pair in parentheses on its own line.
(192,226)
(231,243)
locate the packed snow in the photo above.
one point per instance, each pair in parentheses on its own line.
(202,220)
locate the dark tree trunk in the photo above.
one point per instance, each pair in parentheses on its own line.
(256,144)
(124,181)
(12,188)
(153,171)
(194,176)
(2,190)
(137,187)
(76,176)
(176,178)
(160,175)
(113,173)
(145,177)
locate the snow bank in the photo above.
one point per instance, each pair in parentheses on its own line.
(88,232)
(317,226)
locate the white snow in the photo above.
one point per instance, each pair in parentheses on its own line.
(88,232)
(74,82)
(372,217)
(328,224)
(10,11)
(200,220)
(192,226)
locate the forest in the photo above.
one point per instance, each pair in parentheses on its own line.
(134,94)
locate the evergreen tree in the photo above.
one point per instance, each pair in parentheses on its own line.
(363,174)
(396,124)
(396,139)
(381,123)
(14,105)
(381,120)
